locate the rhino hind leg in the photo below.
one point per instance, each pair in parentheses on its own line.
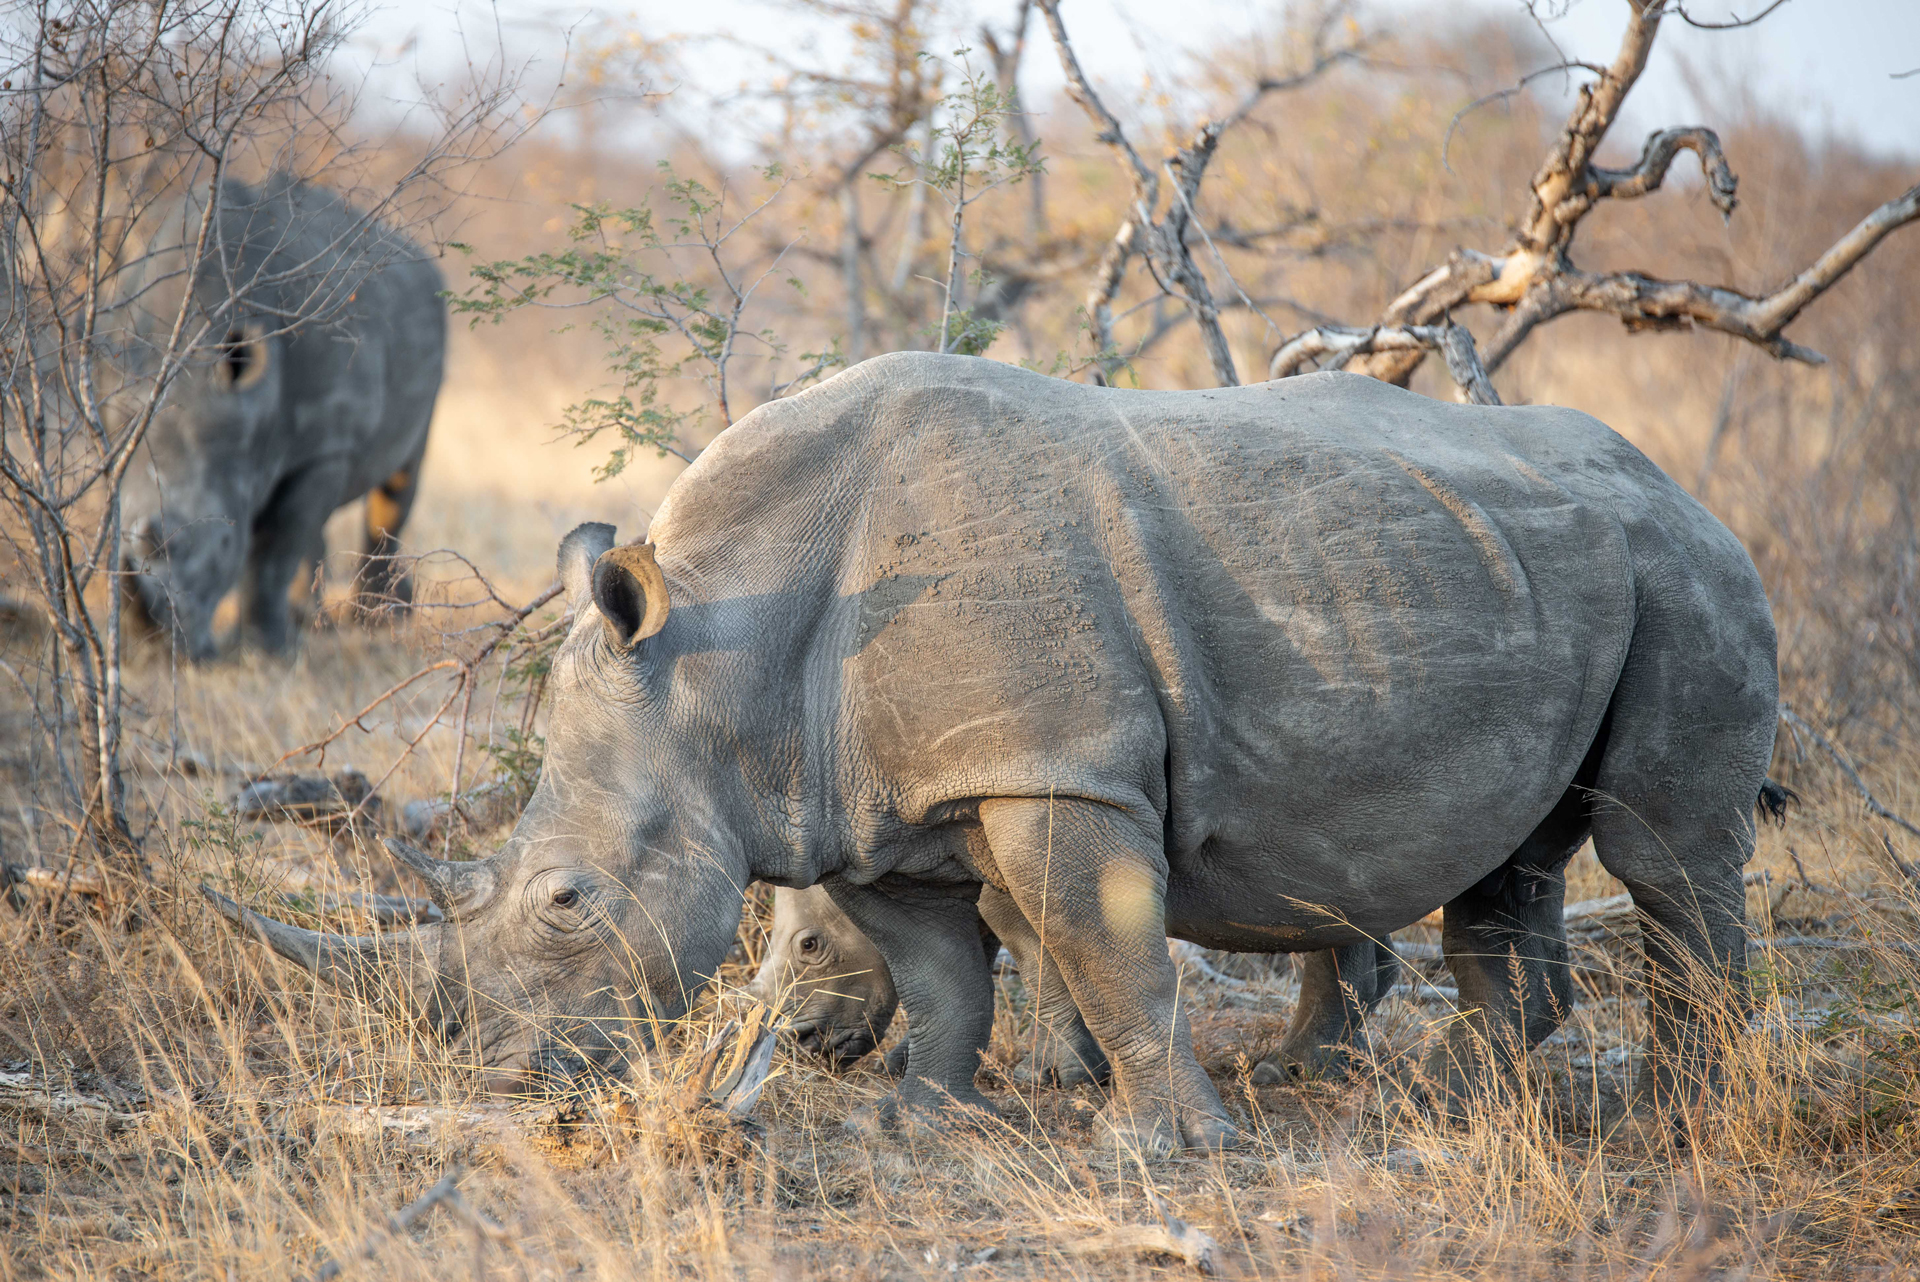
(1338,987)
(284,536)
(1673,819)
(1506,943)
(1064,1052)
(384,585)
(1095,875)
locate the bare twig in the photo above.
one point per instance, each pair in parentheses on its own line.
(445,1192)
(1874,805)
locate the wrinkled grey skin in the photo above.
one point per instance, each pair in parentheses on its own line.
(841,996)
(316,387)
(1269,668)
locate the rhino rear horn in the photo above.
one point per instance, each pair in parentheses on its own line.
(583,545)
(631,593)
(451,884)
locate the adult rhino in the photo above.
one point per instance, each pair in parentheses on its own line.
(1275,667)
(841,996)
(316,387)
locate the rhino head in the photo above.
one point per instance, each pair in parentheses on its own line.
(620,891)
(829,974)
(189,497)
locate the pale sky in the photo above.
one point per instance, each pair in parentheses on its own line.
(1828,63)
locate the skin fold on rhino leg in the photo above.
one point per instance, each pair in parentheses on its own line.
(1338,987)
(1091,880)
(930,937)
(383,584)
(284,535)
(1064,1051)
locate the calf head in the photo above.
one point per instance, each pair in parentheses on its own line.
(831,976)
(620,890)
(191,495)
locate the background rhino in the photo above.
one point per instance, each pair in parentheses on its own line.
(329,335)
(1281,667)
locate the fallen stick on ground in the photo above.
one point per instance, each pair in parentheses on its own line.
(445,1191)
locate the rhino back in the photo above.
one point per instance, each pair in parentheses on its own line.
(1316,620)
(360,376)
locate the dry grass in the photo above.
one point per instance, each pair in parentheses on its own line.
(179,1105)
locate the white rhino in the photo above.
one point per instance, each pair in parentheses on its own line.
(1271,668)
(328,335)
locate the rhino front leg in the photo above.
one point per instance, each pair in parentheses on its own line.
(1064,1051)
(1091,880)
(930,938)
(1338,987)
(285,534)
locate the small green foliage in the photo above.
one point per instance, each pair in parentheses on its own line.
(1880,1013)
(639,273)
(517,757)
(968,154)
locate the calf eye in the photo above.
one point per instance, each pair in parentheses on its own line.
(809,943)
(565,898)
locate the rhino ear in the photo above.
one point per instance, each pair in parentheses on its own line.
(631,593)
(578,551)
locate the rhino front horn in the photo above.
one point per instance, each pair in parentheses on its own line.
(451,884)
(344,961)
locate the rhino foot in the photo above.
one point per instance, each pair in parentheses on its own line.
(1056,1062)
(1306,1064)
(1160,1130)
(924,1112)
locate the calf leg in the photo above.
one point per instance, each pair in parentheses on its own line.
(930,937)
(1337,988)
(1506,942)
(383,583)
(285,534)
(1092,879)
(1064,1051)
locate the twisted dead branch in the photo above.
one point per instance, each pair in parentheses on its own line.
(1331,346)
(1534,277)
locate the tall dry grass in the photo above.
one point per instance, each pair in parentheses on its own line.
(175,1104)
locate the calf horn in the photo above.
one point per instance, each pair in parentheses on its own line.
(352,962)
(451,884)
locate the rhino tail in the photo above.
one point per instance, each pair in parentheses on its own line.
(1774,799)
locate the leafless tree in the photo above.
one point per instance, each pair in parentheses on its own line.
(120,123)
(1164,237)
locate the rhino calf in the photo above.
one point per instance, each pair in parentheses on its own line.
(841,995)
(329,339)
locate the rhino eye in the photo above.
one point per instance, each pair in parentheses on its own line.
(809,943)
(565,898)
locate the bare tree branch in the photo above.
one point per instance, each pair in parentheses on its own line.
(1164,240)
(1535,279)
(1331,346)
